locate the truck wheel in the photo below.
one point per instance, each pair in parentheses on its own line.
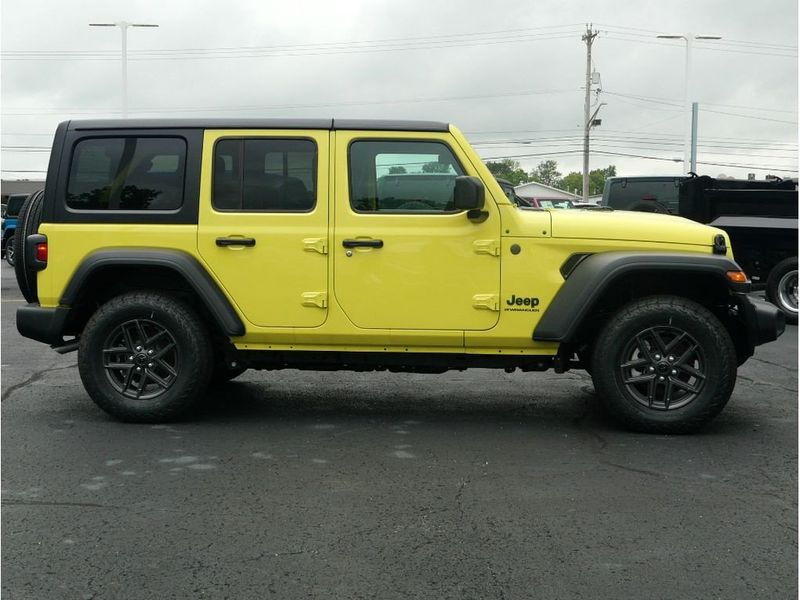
(664,364)
(10,251)
(782,288)
(145,358)
(30,217)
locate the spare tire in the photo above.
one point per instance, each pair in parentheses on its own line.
(28,221)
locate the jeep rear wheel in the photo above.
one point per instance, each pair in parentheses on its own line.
(664,365)
(145,358)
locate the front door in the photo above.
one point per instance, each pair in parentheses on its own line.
(404,258)
(263,223)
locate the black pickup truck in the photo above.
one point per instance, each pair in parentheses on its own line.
(759,216)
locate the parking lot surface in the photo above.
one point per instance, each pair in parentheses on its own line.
(475,484)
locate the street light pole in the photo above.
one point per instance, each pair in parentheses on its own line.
(123,26)
(687,107)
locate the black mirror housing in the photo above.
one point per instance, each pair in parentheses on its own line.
(469,193)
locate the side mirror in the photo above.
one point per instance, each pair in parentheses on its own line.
(469,193)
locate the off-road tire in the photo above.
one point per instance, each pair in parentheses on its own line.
(779,277)
(663,314)
(193,352)
(28,221)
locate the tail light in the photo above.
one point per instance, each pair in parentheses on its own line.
(41,252)
(36,252)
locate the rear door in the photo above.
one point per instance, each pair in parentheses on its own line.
(263,222)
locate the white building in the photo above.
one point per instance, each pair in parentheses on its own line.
(540,190)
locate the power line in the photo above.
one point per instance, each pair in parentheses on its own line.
(92,111)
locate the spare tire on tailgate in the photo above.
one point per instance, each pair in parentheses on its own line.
(30,217)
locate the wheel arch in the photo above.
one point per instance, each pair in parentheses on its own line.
(107,273)
(602,283)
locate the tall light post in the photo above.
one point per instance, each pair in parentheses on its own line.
(123,26)
(687,107)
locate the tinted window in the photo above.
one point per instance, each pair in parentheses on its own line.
(265,175)
(626,193)
(15,203)
(402,176)
(127,173)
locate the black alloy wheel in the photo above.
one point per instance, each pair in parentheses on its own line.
(146,357)
(141,359)
(664,364)
(663,368)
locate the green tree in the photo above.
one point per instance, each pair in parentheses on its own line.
(397,170)
(546,172)
(573,182)
(435,167)
(507,169)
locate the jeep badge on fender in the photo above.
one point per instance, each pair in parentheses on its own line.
(172,253)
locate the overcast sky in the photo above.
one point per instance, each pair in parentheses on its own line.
(509,73)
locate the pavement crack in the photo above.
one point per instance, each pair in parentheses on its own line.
(774,364)
(34,377)
(10,502)
(460,497)
(768,384)
(635,470)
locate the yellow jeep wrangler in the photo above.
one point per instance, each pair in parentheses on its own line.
(174,253)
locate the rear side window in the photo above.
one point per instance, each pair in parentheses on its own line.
(264,175)
(402,176)
(127,173)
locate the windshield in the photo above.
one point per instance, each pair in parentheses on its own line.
(555,203)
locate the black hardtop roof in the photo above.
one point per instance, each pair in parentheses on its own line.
(234,123)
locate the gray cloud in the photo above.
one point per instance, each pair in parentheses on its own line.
(481,84)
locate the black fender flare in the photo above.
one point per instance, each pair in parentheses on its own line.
(593,275)
(181,263)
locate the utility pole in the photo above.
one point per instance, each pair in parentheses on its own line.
(689,38)
(693,157)
(123,26)
(588,37)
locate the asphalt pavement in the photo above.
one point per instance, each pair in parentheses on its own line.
(478,484)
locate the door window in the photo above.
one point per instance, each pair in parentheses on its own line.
(402,177)
(264,175)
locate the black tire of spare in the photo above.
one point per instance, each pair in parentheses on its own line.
(189,338)
(625,330)
(30,217)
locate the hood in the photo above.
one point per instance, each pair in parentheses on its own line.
(630,226)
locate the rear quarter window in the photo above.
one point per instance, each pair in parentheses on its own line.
(127,174)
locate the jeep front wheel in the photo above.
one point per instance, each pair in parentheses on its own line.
(145,357)
(664,364)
